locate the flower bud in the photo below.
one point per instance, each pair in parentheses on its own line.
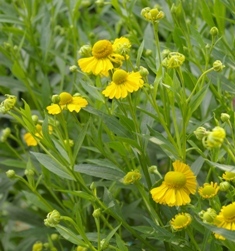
(131,177)
(5,134)
(11,174)
(143,71)
(104,245)
(53,219)
(38,246)
(96,213)
(200,132)
(73,68)
(35,119)
(80,248)
(70,142)
(218,66)
(208,216)
(54,237)
(225,117)
(156,14)
(145,13)
(8,103)
(148,53)
(214,31)
(224,186)
(29,172)
(85,51)
(55,99)
(100,3)
(215,138)
(173,60)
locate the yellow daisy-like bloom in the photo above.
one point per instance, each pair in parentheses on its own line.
(67,101)
(229,176)
(226,218)
(180,221)
(122,46)
(122,83)
(208,190)
(30,139)
(176,187)
(102,59)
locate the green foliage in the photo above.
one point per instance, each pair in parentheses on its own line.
(75,162)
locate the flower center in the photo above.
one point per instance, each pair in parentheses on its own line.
(65,98)
(175,179)
(181,221)
(229,212)
(102,49)
(208,191)
(119,76)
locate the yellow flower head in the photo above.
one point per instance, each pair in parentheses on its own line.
(176,187)
(226,218)
(31,139)
(228,176)
(102,59)
(208,190)
(122,83)
(122,46)
(180,221)
(214,138)
(69,102)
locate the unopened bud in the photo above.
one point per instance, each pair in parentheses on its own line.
(224,186)
(38,246)
(53,219)
(11,174)
(55,99)
(73,68)
(200,132)
(143,71)
(225,117)
(214,31)
(208,216)
(218,66)
(96,213)
(131,177)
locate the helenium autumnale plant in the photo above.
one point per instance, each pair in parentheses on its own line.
(117,125)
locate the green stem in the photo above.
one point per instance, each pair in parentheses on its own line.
(190,234)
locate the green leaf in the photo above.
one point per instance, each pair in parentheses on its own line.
(53,166)
(139,53)
(70,236)
(80,194)
(13,163)
(104,172)
(197,165)
(223,167)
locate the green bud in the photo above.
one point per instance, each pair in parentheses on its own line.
(131,177)
(143,71)
(80,248)
(5,134)
(38,246)
(46,245)
(225,117)
(53,219)
(218,66)
(148,53)
(54,237)
(35,119)
(214,31)
(103,244)
(8,103)
(29,172)
(208,216)
(73,68)
(55,99)
(11,174)
(224,186)
(100,3)
(200,132)
(92,186)
(85,51)
(96,213)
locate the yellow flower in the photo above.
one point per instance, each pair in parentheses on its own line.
(122,46)
(30,139)
(102,59)
(67,101)
(208,190)
(180,221)
(228,176)
(176,187)
(226,218)
(122,83)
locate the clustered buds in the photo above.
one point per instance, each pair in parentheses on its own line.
(173,60)
(218,65)
(8,103)
(131,177)
(211,139)
(53,219)
(152,15)
(208,216)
